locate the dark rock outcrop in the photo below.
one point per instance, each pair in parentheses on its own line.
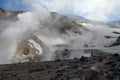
(116,43)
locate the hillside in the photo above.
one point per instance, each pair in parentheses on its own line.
(50,46)
(46,36)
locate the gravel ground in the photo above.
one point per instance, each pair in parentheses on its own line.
(96,67)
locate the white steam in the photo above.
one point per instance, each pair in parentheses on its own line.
(14,32)
(41,23)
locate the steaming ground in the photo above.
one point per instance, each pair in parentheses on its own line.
(42,36)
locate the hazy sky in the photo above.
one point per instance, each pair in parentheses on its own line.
(100,10)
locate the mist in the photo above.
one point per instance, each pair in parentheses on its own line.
(58,32)
(14,32)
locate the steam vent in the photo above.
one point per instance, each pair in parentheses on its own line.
(50,46)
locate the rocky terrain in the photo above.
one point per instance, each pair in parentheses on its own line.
(96,67)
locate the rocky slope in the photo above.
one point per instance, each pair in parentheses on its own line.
(62,34)
(96,67)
